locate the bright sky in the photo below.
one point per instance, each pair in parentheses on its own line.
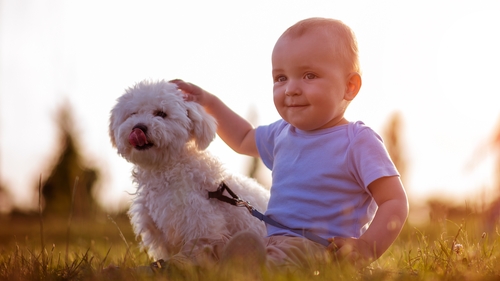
(437,62)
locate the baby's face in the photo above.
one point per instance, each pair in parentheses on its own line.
(309,82)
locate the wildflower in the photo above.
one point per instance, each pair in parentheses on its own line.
(458,248)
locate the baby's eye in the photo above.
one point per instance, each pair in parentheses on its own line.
(280,78)
(310,76)
(161,114)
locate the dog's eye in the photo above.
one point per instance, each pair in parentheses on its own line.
(161,114)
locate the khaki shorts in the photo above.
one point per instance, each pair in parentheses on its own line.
(283,253)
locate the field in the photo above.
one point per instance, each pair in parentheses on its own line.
(459,248)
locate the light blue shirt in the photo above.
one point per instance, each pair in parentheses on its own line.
(320,178)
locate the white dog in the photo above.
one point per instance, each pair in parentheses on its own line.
(165,137)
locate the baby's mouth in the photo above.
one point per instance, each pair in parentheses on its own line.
(296,105)
(138,139)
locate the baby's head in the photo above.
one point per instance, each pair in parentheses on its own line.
(337,35)
(315,73)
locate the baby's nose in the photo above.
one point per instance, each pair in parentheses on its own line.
(292,90)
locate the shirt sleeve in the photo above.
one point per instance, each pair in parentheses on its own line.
(265,138)
(369,157)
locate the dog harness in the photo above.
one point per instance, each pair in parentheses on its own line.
(237,201)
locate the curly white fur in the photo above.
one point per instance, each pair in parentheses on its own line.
(165,137)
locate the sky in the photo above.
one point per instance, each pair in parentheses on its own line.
(435,62)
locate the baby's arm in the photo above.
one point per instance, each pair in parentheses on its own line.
(235,131)
(389,194)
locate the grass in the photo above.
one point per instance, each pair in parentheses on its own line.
(55,249)
(80,255)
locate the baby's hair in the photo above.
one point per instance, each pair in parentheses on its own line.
(346,48)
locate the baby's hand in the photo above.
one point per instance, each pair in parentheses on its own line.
(192,92)
(357,252)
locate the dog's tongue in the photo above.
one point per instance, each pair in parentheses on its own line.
(137,138)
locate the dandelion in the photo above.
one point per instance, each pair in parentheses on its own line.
(458,248)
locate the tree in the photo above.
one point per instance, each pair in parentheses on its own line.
(256,168)
(393,140)
(495,145)
(5,200)
(69,174)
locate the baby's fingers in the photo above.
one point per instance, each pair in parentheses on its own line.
(179,82)
(191,91)
(345,249)
(186,87)
(348,255)
(336,243)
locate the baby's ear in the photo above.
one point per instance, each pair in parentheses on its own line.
(353,85)
(204,125)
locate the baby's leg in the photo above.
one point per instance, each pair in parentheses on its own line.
(202,252)
(292,254)
(244,254)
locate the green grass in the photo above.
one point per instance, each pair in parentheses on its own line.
(459,249)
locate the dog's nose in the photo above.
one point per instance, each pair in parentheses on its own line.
(138,138)
(142,127)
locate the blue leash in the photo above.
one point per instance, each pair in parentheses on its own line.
(237,201)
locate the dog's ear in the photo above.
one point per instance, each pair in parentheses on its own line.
(111,128)
(115,118)
(204,125)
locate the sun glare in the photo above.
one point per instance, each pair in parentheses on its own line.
(435,63)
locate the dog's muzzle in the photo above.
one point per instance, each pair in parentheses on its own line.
(138,137)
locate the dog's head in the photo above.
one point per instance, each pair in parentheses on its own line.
(152,122)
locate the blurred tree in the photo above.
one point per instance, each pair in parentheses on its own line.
(494,209)
(490,148)
(393,140)
(495,145)
(256,168)
(5,200)
(254,164)
(69,174)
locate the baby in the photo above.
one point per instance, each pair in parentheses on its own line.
(330,177)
